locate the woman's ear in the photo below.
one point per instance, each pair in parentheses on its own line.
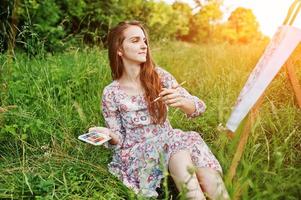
(119,51)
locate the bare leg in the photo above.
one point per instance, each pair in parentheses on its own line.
(212,184)
(179,164)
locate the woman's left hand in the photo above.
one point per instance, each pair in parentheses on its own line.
(172,97)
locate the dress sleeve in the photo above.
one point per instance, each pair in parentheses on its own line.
(168,81)
(112,117)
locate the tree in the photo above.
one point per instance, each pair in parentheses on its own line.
(242,26)
(184,14)
(39,26)
(204,22)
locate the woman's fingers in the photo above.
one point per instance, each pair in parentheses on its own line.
(170,99)
(175,102)
(170,96)
(175,105)
(166,91)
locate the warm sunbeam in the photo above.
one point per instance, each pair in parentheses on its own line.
(269,13)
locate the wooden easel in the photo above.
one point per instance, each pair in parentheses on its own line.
(292,13)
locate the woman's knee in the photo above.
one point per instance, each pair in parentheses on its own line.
(184,175)
(180,161)
(212,183)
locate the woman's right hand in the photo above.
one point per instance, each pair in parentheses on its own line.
(107,132)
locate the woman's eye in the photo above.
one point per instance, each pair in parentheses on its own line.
(137,40)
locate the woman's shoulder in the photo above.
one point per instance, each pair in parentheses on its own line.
(161,72)
(110,88)
(164,74)
(159,69)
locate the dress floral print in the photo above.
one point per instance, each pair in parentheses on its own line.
(145,148)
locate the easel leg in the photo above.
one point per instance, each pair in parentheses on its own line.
(240,148)
(294,81)
(242,143)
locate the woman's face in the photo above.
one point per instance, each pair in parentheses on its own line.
(134,47)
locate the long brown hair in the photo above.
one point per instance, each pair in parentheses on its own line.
(148,76)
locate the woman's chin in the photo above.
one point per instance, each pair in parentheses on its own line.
(142,61)
(137,60)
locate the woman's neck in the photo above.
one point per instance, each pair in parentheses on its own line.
(131,73)
(130,80)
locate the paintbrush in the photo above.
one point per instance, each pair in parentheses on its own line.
(156,99)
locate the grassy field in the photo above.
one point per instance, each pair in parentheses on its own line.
(57,97)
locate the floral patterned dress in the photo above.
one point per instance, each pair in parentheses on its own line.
(142,155)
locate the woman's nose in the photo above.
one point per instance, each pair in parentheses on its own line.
(143,45)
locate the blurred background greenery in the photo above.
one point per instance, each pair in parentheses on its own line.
(54,25)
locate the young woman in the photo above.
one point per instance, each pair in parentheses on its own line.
(143,140)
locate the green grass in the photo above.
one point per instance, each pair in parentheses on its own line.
(58,98)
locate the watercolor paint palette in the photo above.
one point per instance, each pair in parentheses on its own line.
(94,138)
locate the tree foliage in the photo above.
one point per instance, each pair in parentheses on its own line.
(53,25)
(205,21)
(242,26)
(184,13)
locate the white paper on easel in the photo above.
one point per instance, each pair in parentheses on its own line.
(277,52)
